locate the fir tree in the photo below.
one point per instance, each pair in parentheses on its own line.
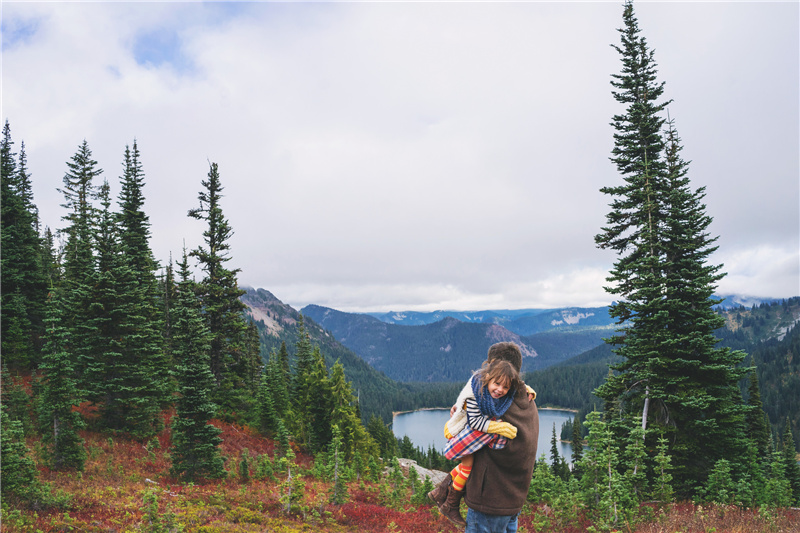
(127,380)
(789,461)
(757,425)
(577,446)
(196,443)
(672,375)
(233,361)
(320,403)
(22,277)
(134,230)
(19,470)
(58,421)
(79,191)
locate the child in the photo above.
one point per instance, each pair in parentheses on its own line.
(473,425)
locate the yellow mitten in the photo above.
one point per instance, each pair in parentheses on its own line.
(531,393)
(502,428)
(447,434)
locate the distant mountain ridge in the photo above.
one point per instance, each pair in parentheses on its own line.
(519,321)
(447,350)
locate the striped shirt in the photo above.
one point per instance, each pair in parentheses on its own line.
(475,418)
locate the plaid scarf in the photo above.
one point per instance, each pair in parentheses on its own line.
(490,406)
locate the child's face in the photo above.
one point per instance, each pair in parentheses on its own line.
(498,389)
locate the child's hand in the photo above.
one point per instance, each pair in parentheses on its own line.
(531,394)
(453,410)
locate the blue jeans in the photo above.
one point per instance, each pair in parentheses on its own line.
(478,522)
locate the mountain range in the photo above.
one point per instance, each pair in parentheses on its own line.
(450,349)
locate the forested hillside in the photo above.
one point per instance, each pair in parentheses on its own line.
(448,350)
(376,393)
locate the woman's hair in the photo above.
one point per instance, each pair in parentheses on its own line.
(500,370)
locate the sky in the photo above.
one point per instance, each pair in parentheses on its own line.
(403,156)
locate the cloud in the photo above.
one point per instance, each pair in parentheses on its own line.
(417,154)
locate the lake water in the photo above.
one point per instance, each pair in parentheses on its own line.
(426,428)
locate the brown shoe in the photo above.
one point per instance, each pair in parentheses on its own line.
(439,494)
(451,508)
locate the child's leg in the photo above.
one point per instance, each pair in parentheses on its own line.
(461,472)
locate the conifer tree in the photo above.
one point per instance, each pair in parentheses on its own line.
(58,421)
(134,230)
(196,443)
(757,426)
(789,461)
(320,403)
(577,445)
(124,370)
(19,470)
(79,191)
(672,375)
(662,484)
(23,285)
(233,362)
(343,413)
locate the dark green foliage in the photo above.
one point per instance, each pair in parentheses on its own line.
(672,374)
(195,452)
(757,423)
(559,466)
(577,445)
(145,340)
(791,468)
(19,470)
(234,363)
(126,367)
(58,422)
(383,436)
(22,275)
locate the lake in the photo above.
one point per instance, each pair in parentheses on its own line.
(426,428)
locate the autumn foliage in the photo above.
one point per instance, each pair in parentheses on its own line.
(126,486)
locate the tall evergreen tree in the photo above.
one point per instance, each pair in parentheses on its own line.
(320,403)
(22,279)
(127,379)
(79,191)
(790,464)
(196,443)
(58,421)
(672,374)
(757,423)
(134,227)
(233,363)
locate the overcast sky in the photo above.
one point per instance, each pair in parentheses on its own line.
(412,156)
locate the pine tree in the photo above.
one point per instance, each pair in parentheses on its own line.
(196,443)
(233,362)
(671,376)
(58,421)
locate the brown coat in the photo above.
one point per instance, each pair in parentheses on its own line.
(499,481)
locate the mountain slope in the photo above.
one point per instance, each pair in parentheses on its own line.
(278,322)
(448,350)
